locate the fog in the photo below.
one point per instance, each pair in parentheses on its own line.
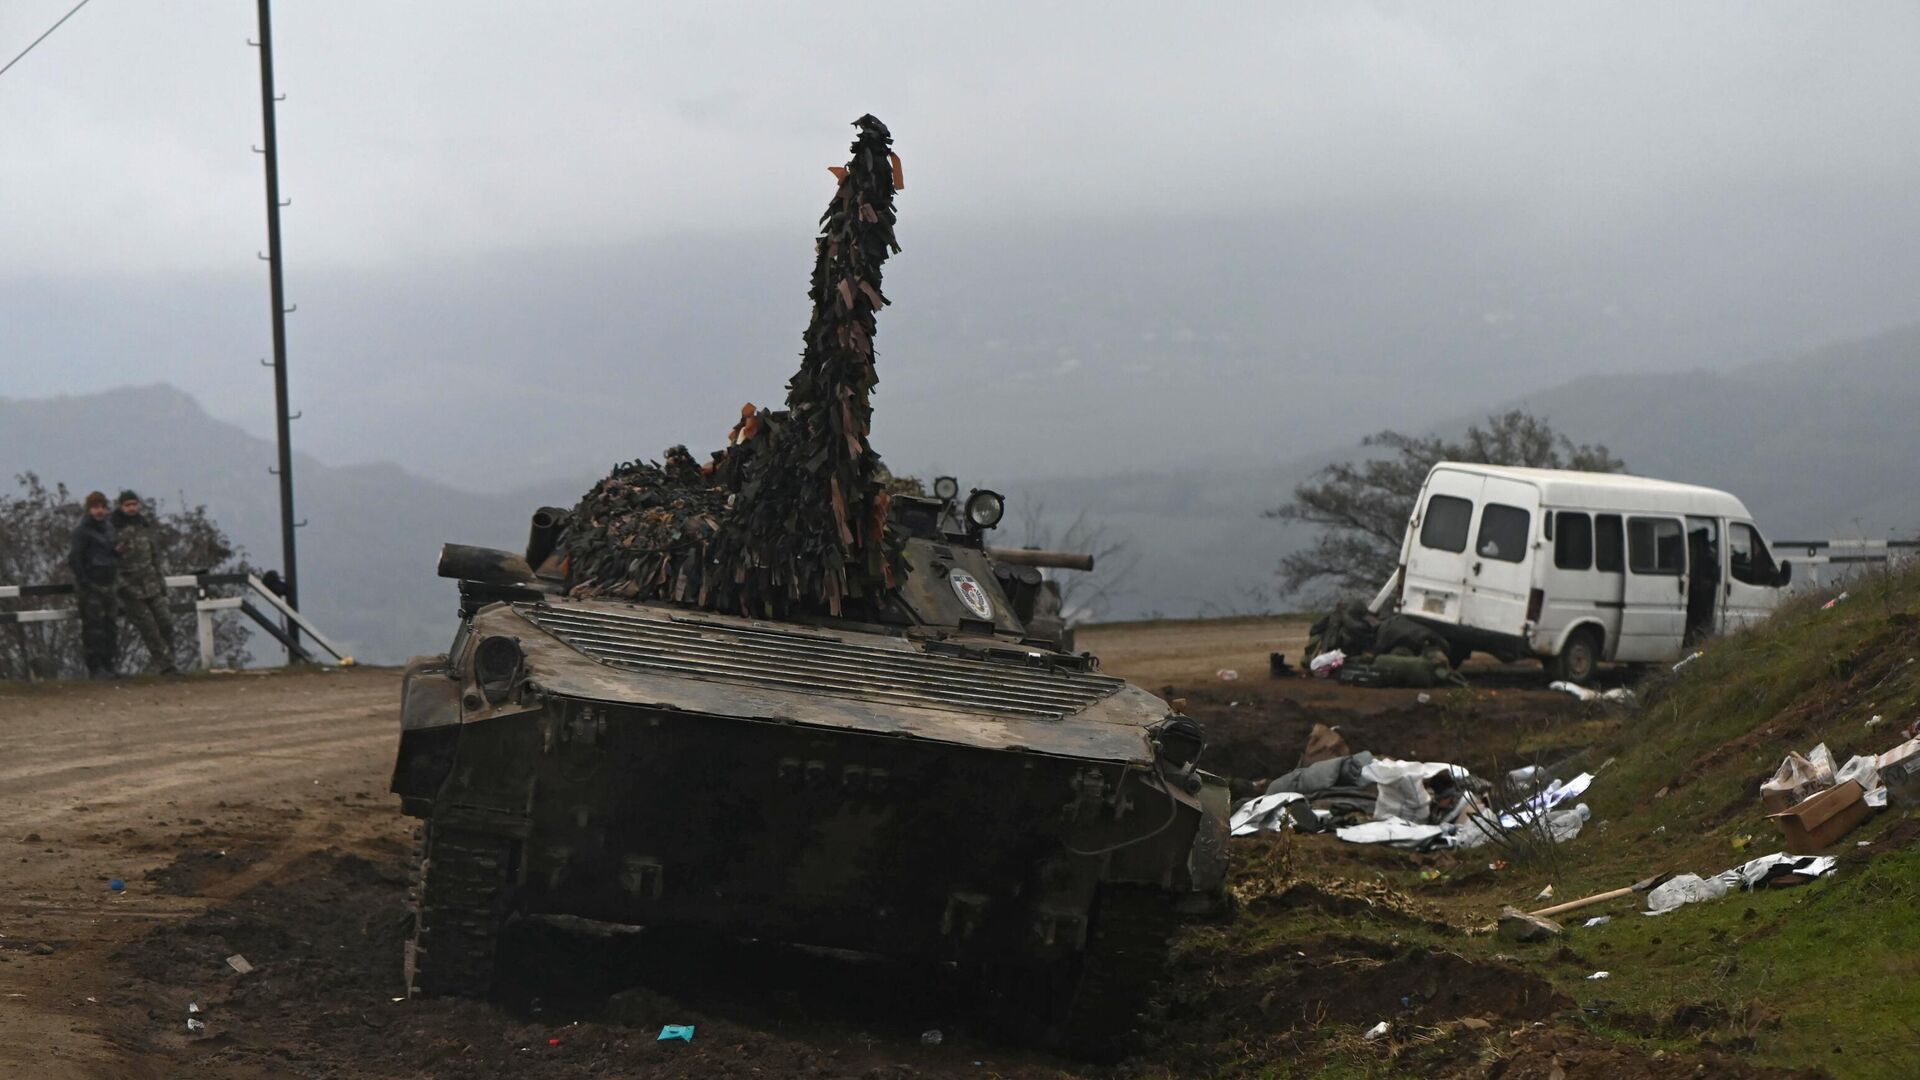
(524,237)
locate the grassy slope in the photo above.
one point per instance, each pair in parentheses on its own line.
(1824,976)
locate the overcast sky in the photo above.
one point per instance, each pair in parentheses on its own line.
(421,138)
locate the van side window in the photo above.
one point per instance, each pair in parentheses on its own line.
(1572,541)
(1751,562)
(1656,546)
(1609,544)
(1504,531)
(1445,528)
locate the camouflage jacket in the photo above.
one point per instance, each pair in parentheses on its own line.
(138,542)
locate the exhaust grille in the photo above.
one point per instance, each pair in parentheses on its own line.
(817,663)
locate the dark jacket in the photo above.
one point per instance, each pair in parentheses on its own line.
(138,542)
(92,558)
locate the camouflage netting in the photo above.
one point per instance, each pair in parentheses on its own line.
(793,512)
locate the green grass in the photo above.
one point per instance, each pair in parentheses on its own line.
(1823,976)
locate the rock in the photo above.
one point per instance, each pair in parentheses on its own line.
(1517,925)
(1474,1023)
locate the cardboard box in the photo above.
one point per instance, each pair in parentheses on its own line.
(1820,821)
(1900,771)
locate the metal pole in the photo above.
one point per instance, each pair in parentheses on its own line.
(282,419)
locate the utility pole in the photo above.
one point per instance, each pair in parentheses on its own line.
(283,420)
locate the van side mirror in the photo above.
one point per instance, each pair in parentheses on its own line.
(1784,577)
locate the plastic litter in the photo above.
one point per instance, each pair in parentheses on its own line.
(1327,664)
(195,1026)
(1598,920)
(1544,894)
(1836,601)
(1424,698)
(1265,813)
(1688,659)
(931,1037)
(683,1032)
(1598,975)
(193,1008)
(1575,689)
(1752,874)
(117,885)
(1377,1031)
(239,964)
(1226,674)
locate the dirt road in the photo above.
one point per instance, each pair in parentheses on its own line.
(109,781)
(248,814)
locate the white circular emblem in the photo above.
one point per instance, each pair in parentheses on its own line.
(971,594)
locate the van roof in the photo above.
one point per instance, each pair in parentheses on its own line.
(1566,487)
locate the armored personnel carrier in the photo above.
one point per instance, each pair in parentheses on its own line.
(927,776)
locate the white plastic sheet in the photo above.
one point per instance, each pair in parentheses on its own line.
(1391,831)
(1692,888)
(1266,813)
(1402,786)
(1327,664)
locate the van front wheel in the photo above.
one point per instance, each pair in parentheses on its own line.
(1579,658)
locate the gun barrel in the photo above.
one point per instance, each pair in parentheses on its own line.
(488,565)
(1058,560)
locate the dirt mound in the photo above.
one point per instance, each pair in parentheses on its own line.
(325,938)
(1561,1054)
(191,873)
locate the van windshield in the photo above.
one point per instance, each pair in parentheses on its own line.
(1503,532)
(1445,528)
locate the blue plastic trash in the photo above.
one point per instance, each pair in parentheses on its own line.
(683,1032)
(116,885)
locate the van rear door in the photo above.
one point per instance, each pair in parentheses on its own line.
(1439,545)
(1501,568)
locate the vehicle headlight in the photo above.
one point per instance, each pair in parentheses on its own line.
(946,487)
(985,508)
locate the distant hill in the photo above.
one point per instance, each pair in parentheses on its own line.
(366,559)
(1819,444)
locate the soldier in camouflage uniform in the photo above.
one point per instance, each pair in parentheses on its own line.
(93,560)
(143,582)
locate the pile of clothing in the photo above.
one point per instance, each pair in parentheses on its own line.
(1349,644)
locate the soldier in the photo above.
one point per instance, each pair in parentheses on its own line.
(143,582)
(92,560)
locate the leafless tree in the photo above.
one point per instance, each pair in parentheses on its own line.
(1362,507)
(36,528)
(1085,596)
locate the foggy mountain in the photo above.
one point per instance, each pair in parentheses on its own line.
(1061,348)
(1810,443)
(366,559)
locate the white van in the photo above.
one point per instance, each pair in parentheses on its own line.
(1578,568)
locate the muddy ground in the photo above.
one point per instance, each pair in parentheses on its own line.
(247,815)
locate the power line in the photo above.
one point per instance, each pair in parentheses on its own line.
(43,37)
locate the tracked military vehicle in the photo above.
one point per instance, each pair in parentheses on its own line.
(929,776)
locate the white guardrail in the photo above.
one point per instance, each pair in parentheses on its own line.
(204,606)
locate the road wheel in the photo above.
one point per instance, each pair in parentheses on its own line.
(460,904)
(1126,954)
(1579,658)
(1457,655)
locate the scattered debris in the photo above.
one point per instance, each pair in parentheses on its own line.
(1377,1031)
(1836,601)
(1598,975)
(1688,659)
(1643,885)
(1517,925)
(1227,674)
(1819,821)
(1619,695)
(683,1032)
(239,964)
(1546,893)
(1775,871)
(931,1037)
(1597,920)
(1327,664)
